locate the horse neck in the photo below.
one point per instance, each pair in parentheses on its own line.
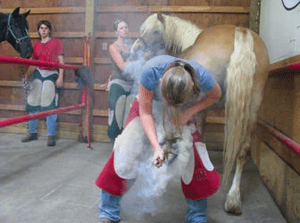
(179,34)
(3,26)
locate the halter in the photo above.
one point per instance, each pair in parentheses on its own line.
(12,33)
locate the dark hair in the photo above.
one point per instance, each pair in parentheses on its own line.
(117,22)
(46,23)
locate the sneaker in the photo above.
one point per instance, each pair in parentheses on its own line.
(29,137)
(51,141)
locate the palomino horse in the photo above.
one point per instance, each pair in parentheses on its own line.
(14,29)
(238,59)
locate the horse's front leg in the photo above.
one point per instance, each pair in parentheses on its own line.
(233,203)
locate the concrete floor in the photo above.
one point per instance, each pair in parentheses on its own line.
(40,184)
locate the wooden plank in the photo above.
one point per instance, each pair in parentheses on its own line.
(216,120)
(282,181)
(182,9)
(254,15)
(77,60)
(113,35)
(90,17)
(100,87)
(213,137)
(137,9)
(47,10)
(102,61)
(293,196)
(10,84)
(289,156)
(67,86)
(96,112)
(273,173)
(10,107)
(34,35)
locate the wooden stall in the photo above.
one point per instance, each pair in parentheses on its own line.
(73,20)
(278,164)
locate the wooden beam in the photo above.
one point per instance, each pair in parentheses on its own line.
(102,61)
(98,113)
(34,35)
(254,15)
(9,107)
(113,35)
(10,84)
(135,9)
(181,9)
(77,60)
(215,120)
(47,10)
(67,86)
(108,35)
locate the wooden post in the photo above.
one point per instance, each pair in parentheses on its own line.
(254,15)
(87,115)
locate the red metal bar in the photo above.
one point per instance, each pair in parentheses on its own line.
(291,67)
(39,115)
(88,92)
(18,60)
(282,138)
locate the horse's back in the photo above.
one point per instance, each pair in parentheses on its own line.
(214,46)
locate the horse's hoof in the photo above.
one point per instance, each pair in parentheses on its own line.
(233,207)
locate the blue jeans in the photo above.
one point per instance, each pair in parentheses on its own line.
(109,207)
(195,212)
(51,125)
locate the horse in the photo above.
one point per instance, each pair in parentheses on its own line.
(14,29)
(238,59)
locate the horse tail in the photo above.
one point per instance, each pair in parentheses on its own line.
(240,77)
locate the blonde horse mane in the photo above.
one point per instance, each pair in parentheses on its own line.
(240,79)
(178,34)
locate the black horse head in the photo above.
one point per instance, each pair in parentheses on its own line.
(14,29)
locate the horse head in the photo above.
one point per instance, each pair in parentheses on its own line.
(152,34)
(17,33)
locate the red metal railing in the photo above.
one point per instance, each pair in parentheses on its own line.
(281,137)
(85,101)
(291,67)
(278,135)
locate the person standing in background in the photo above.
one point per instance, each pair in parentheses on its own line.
(44,82)
(119,85)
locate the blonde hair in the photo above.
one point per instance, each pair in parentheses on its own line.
(178,84)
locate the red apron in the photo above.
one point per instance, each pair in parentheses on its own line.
(203,184)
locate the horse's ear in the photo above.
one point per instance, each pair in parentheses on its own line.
(160,17)
(16,12)
(26,13)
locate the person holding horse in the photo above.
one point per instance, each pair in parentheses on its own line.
(43,94)
(185,88)
(119,85)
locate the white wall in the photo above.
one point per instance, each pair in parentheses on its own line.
(280,29)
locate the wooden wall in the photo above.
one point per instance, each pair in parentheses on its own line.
(69,21)
(279,166)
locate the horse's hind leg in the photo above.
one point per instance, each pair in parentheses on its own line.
(233,203)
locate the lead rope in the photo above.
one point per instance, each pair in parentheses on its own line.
(25,84)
